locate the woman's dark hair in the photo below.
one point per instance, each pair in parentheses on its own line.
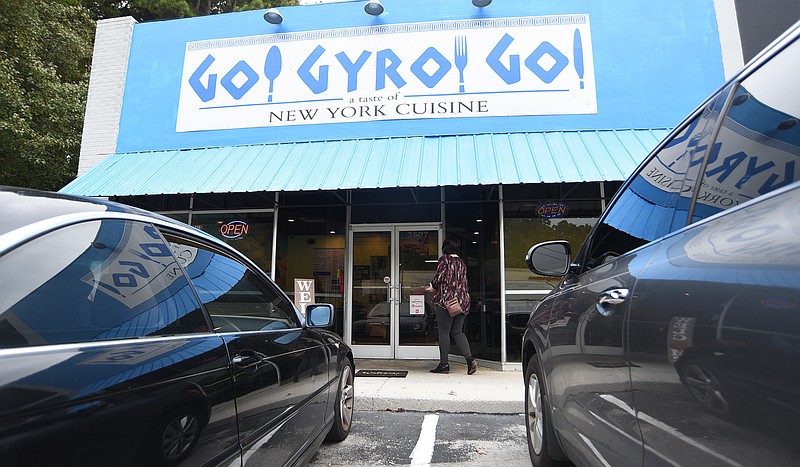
(451,246)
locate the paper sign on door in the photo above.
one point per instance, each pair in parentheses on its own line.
(416,304)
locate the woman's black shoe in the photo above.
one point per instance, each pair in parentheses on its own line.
(442,368)
(472,365)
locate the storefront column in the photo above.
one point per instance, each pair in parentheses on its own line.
(602,197)
(503,357)
(444,219)
(347,314)
(274,264)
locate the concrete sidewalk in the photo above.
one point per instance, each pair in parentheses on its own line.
(487,391)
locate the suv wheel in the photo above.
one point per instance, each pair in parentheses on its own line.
(535,416)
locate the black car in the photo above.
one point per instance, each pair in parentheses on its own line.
(127,338)
(673,337)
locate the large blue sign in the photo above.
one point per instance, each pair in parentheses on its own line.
(476,68)
(222,80)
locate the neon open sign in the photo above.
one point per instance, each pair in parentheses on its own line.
(234,229)
(550,210)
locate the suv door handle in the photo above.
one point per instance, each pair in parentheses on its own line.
(610,297)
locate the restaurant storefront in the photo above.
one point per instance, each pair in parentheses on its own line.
(371,252)
(337,149)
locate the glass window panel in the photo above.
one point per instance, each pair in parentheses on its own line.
(478,227)
(371,264)
(395,205)
(157,203)
(236,298)
(419,253)
(94,281)
(310,245)
(249,232)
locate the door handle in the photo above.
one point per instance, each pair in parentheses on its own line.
(245,359)
(389,289)
(610,298)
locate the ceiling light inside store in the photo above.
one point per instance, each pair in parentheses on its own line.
(373,7)
(273,16)
(481,3)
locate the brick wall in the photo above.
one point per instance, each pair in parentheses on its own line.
(106,87)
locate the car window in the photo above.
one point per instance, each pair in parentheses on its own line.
(236,297)
(99,280)
(758,147)
(656,201)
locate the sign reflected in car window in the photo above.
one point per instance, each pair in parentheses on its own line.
(758,147)
(110,279)
(656,201)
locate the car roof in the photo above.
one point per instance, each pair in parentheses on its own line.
(20,207)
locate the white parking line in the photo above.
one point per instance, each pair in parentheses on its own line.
(423,451)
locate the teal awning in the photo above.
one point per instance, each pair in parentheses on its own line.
(482,159)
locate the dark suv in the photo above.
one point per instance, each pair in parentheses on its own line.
(130,339)
(674,335)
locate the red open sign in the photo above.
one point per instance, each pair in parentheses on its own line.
(234,229)
(550,210)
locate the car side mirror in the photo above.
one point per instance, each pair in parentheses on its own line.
(549,258)
(319,315)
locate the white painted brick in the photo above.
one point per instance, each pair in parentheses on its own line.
(112,47)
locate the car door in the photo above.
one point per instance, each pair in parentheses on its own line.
(280,369)
(106,355)
(714,339)
(586,365)
(715,326)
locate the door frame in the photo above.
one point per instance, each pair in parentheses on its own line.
(393,350)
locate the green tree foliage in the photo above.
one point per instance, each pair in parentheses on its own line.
(45,54)
(262,4)
(142,10)
(148,10)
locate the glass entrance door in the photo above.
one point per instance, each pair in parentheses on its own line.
(391,315)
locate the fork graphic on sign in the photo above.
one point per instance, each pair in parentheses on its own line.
(461,59)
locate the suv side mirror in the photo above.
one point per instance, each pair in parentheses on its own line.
(549,258)
(319,315)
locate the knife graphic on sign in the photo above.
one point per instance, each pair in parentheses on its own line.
(577,51)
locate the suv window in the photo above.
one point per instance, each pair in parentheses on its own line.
(98,280)
(656,201)
(758,147)
(236,298)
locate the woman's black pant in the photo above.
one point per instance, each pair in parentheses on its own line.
(451,328)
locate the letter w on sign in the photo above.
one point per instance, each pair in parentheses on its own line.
(303,293)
